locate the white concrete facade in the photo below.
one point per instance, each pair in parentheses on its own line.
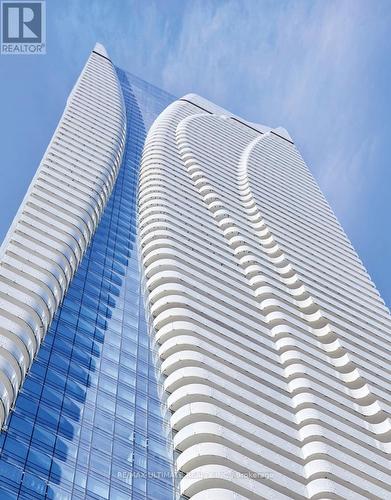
(57,218)
(274,343)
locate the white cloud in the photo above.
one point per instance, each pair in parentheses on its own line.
(297,64)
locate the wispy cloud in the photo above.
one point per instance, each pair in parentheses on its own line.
(298,64)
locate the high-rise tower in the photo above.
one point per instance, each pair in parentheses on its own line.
(219,338)
(87,422)
(274,342)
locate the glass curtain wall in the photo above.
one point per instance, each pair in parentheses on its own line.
(88,421)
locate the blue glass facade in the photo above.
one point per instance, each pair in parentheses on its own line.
(88,421)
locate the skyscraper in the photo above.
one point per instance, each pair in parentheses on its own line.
(87,421)
(260,367)
(274,342)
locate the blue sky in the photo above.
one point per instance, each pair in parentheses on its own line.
(321,69)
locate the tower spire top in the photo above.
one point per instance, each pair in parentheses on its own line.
(100,49)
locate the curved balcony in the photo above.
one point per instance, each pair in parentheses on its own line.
(57,219)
